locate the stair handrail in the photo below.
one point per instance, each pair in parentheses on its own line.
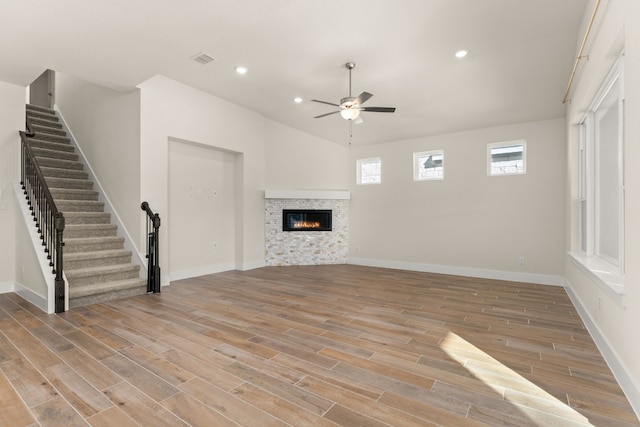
(153,265)
(29,128)
(50,222)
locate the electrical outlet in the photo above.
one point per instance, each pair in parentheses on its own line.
(521,260)
(599,303)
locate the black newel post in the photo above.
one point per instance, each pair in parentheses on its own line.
(59,281)
(153,254)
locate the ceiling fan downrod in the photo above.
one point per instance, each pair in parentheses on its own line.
(350,66)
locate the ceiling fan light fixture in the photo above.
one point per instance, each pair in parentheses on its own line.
(350,113)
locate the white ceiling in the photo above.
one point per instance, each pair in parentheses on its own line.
(520,56)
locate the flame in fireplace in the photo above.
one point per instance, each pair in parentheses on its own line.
(306,224)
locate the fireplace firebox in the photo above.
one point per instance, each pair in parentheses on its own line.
(306,220)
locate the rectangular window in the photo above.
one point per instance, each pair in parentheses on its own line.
(506,158)
(369,171)
(428,165)
(601,183)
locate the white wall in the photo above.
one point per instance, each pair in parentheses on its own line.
(468,223)
(12,118)
(171,110)
(106,125)
(612,319)
(299,161)
(34,279)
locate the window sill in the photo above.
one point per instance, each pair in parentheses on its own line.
(606,276)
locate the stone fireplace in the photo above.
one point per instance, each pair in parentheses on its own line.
(316,231)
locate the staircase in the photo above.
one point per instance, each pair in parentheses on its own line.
(96,265)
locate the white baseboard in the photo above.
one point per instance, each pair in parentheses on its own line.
(201,271)
(629,387)
(250,265)
(35,299)
(7,287)
(512,276)
(210,269)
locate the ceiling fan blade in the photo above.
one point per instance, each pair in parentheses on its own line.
(362,98)
(379,109)
(324,102)
(326,114)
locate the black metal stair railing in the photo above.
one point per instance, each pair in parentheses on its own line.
(153,263)
(49,220)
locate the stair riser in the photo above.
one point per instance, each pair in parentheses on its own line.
(42,115)
(54,154)
(38,108)
(63,173)
(87,219)
(61,139)
(102,278)
(96,262)
(39,122)
(79,207)
(82,233)
(72,247)
(107,296)
(49,145)
(46,130)
(54,182)
(74,195)
(59,163)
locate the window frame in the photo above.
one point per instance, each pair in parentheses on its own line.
(417,163)
(360,163)
(589,236)
(494,145)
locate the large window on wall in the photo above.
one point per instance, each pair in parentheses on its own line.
(428,165)
(369,171)
(601,177)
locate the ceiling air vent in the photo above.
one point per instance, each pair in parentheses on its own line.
(203,58)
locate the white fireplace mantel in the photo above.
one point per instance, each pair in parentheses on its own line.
(308,194)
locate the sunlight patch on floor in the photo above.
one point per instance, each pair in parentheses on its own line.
(508,384)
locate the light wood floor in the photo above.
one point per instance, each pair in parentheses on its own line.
(320,346)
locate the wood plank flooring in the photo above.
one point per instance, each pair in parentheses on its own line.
(310,346)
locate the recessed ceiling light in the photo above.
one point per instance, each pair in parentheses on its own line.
(241,70)
(297,100)
(461,53)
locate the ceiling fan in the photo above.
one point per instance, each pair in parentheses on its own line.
(351,107)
